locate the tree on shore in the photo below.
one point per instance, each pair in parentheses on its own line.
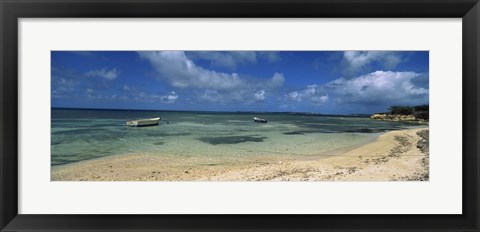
(420,111)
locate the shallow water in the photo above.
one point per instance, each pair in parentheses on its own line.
(78,135)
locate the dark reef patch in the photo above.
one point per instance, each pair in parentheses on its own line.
(79,131)
(352,130)
(163,134)
(231,139)
(299,132)
(367,130)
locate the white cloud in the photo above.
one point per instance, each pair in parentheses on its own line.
(170,98)
(379,86)
(70,84)
(104,73)
(296,96)
(312,93)
(232,59)
(277,80)
(179,71)
(90,94)
(142,96)
(358,60)
(229,59)
(260,95)
(211,96)
(319,99)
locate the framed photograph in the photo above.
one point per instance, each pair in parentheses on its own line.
(214,116)
(250,116)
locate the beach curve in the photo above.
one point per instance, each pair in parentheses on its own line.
(393,156)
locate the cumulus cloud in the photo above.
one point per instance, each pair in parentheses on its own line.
(170,98)
(320,99)
(212,96)
(260,95)
(104,73)
(240,96)
(90,94)
(277,80)
(312,93)
(229,59)
(361,60)
(180,72)
(380,87)
(232,59)
(139,95)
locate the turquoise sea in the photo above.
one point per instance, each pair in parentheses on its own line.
(81,134)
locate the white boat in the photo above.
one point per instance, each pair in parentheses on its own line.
(144,122)
(261,120)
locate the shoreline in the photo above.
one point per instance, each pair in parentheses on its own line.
(392,156)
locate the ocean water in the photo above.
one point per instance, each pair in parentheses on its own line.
(78,135)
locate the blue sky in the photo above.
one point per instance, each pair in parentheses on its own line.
(329,82)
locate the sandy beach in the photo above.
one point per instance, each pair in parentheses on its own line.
(394,156)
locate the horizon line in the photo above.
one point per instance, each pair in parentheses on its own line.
(218,111)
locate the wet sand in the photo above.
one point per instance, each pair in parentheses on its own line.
(394,156)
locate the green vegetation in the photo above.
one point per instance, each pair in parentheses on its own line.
(420,112)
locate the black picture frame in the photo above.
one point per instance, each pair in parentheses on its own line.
(12,10)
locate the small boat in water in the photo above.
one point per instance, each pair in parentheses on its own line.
(144,122)
(261,120)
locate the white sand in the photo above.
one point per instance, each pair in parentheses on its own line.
(393,156)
